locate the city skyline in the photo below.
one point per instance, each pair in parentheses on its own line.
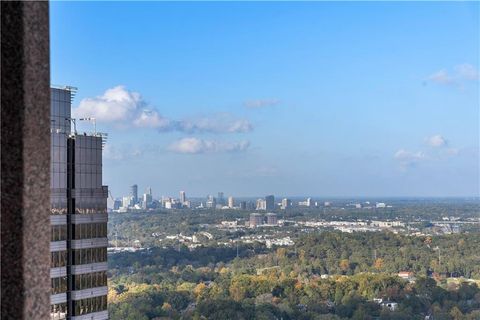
(319,99)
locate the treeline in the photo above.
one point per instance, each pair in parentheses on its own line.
(280,296)
(330,275)
(329,252)
(344,253)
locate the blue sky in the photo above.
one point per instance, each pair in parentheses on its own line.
(313,98)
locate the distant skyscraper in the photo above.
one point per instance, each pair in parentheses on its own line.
(272,219)
(221,199)
(261,204)
(147,200)
(211,202)
(127,201)
(250,205)
(256,219)
(306,203)
(270,203)
(117,204)
(286,203)
(231,202)
(134,193)
(78,218)
(243,205)
(183,197)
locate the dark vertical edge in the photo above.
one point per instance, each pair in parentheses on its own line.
(25,160)
(70,211)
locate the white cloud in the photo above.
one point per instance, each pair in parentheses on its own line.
(436,141)
(218,123)
(115,105)
(461,74)
(467,72)
(261,103)
(441,77)
(194,146)
(127,108)
(408,158)
(151,119)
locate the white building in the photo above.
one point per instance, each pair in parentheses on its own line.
(286,203)
(306,203)
(231,202)
(261,204)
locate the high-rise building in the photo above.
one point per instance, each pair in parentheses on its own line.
(127,202)
(147,200)
(231,202)
(211,202)
(134,194)
(269,203)
(243,205)
(78,217)
(117,203)
(250,205)
(261,204)
(183,197)
(272,219)
(221,199)
(306,203)
(286,203)
(256,219)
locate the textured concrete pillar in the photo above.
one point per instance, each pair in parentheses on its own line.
(25,161)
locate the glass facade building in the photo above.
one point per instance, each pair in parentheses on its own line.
(78,218)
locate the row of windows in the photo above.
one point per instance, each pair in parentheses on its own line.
(59,211)
(81,231)
(90,210)
(89,305)
(88,142)
(88,156)
(59,259)
(90,280)
(58,311)
(90,230)
(89,255)
(59,285)
(59,233)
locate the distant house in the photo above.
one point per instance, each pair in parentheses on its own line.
(407,275)
(392,306)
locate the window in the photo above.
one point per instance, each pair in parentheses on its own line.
(58,311)
(89,280)
(59,233)
(59,285)
(89,255)
(90,230)
(59,259)
(89,305)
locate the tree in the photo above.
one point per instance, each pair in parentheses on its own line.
(456,313)
(344,265)
(378,264)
